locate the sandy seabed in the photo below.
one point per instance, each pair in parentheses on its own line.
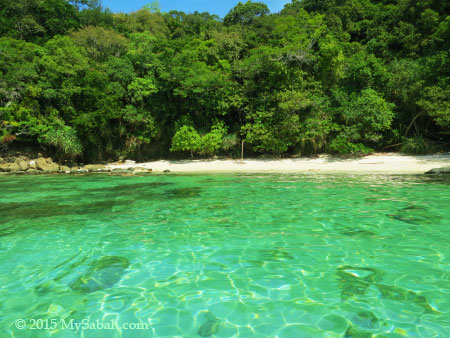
(376,163)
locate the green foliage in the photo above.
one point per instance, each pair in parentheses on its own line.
(141,124)
(230,142)
(342,145)
(64,139)
(153,7)
(141,88)
(139,22)
(188,139)
(36,20)
(18,74)
(100,43)
(269,132)
(211,142)
(369,112)
(245,13)
(436,104)
(185,139)
(365,115)
(347,76)
(331,66)
(315,132)
(418,145)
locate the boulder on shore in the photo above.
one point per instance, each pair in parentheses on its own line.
(439,171)
(23,165)
(8,167)
(142,170)
(95,167)
(123,171)
(64,169)
(43,165)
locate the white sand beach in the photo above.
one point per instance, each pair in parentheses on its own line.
(376,163)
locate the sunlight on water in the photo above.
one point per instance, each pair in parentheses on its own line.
(231,255)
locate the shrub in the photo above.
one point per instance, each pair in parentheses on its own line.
(365,116)
(186,139)
(342,145)
(211,142)
(64,140)
(229,142)
(418,145)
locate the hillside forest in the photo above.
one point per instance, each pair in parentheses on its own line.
(335,76)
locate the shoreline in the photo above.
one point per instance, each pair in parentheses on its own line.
(376,163)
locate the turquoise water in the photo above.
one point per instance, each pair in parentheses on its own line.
(231,255)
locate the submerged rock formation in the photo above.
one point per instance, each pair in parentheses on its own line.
(416,215)
(355,281)
(103,274)
(210,326)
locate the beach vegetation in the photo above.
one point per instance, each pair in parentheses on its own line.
(345,77)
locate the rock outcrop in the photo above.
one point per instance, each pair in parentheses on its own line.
(439,171)
(64,169)
(9,167)
(23,165)
(18,165)
(46,165)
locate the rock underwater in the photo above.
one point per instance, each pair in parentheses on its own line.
(355,282)
(103,274)
(415,215)
(210,326)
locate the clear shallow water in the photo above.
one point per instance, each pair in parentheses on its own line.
(274,255)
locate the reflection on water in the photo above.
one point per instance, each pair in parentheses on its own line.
(244,255)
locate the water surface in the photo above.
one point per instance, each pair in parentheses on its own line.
(230,255)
